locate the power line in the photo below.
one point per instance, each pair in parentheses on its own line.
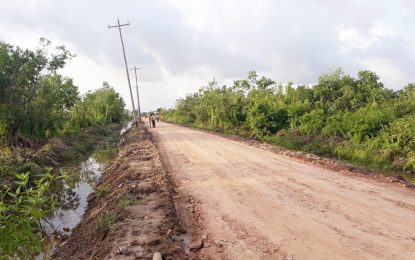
(128,10)
(105,11)
(116,8)
(125,61)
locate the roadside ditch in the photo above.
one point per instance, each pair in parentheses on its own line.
(131,214)
(81,159)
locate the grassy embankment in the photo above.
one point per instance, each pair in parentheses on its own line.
(44,121)
(31,184)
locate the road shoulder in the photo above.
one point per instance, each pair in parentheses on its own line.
(136,217)
(338,166)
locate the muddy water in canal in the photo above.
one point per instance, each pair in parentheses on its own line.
(73,196)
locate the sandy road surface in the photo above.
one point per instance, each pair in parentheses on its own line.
(255,203)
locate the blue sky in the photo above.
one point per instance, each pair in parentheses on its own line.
(182,44)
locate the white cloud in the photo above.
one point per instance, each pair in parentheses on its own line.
(389,71)
(182,44)
(352,38)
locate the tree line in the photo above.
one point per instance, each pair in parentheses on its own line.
(37,102)
(353,118)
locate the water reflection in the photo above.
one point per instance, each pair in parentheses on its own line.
(104,156)
(73,193)
(125,128)
(72,202)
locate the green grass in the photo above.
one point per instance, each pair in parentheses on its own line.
(104,223)
(127,200)
(102,190)
(301,143)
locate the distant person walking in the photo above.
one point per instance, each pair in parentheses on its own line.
(150,120)
(153,120)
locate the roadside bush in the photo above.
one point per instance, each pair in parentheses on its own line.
(22,206)
(367,122)
(312,123)
(265,120)
(365,154)
(265,115)
(296,141)
(398,142)
(352,118)
(334,126)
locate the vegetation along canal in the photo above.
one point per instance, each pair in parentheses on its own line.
(75,188)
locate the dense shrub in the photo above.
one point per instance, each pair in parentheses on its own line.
(398,142)
(356,119)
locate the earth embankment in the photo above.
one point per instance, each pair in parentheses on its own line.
(131,215)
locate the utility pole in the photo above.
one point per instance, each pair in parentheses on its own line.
(138,96)
(125,61)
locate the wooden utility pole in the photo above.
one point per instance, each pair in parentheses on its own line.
(138,95)
(125,61)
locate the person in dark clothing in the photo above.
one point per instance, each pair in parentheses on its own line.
(153,119)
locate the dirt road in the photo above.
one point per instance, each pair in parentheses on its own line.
(255,203)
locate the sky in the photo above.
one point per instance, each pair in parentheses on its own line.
(181,45)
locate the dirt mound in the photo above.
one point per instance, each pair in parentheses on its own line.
(131,214)
(52,153)
(60,150)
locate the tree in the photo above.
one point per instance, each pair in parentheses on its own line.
(104,105)
(21,74)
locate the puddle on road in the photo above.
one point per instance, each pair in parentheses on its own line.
(73,197)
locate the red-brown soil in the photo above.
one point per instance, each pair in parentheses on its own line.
(209,197)
(148,226)
(258,202)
